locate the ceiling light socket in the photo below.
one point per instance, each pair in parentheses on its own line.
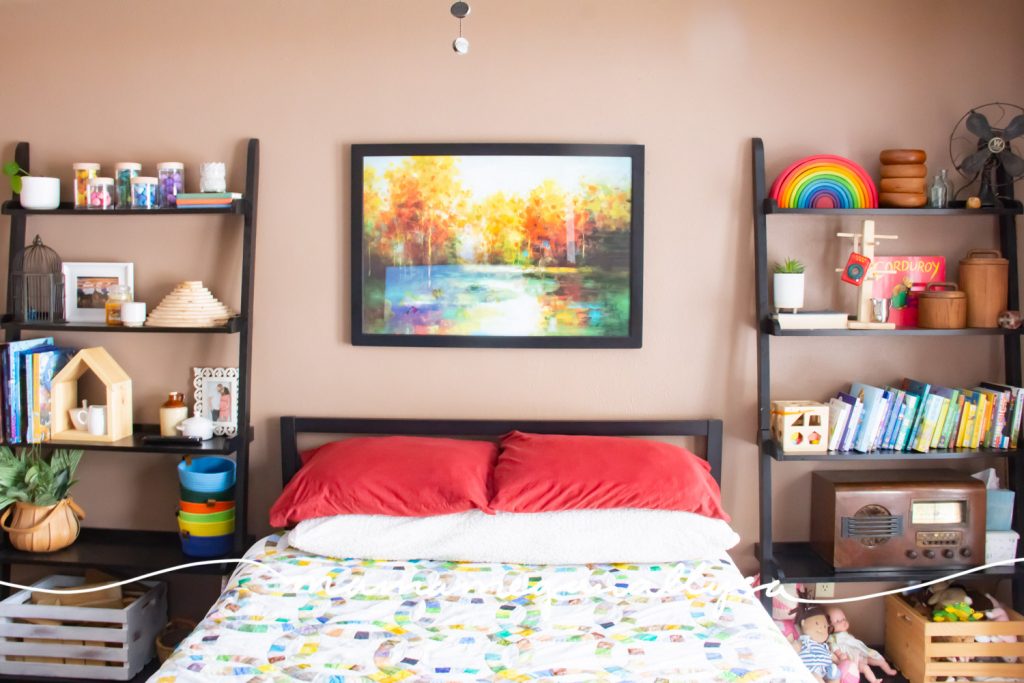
(460,10)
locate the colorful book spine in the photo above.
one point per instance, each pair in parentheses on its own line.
(856,418)
(940,423)
(980,420)
(15,392)
(903,437)
(899,398)
(946,421)
(928,421)
(921,389)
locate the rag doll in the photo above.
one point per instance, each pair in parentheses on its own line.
(813,644)
(848,648)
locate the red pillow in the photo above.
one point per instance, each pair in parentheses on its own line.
(403,476)
(547,473)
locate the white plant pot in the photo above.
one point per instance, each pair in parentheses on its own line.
(788,290)
(38,192)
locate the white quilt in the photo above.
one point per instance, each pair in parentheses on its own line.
(302,617)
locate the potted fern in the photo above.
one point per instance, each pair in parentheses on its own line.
(38,514)
(788,285)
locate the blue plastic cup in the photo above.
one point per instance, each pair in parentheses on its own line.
(207,475)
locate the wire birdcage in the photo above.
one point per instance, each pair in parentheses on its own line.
(37,280)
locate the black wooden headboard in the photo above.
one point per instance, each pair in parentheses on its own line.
(292,427)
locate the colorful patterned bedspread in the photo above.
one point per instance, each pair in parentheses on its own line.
(301,617)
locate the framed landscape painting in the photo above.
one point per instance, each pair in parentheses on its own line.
(507,245)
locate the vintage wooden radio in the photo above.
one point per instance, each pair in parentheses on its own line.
(922,519)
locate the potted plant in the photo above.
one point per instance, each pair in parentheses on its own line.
(35,192)
(38,514)
(788,284)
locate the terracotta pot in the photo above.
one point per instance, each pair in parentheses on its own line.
(42,528)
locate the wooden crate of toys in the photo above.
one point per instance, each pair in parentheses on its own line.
(800,426)
(105,635)
(945,634)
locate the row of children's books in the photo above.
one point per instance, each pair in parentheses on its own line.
(916,416)
(28,368)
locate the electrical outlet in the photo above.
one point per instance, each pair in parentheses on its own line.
(824,591)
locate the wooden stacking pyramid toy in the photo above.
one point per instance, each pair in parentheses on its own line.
(189,305)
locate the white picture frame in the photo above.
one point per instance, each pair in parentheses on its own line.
(85,288)
(214,390)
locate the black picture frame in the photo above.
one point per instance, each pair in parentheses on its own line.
(632,340)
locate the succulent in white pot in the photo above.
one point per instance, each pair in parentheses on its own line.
(34,192)
(788,285)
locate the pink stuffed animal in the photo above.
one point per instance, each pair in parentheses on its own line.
(784,611)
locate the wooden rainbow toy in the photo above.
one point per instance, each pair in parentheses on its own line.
(825,181)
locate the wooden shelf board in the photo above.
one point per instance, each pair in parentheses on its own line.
(118,549)
(770,207)
(218,445)
(141,677)
(776,452)
(233,326)
(771,327)
(13,208)
(797,562)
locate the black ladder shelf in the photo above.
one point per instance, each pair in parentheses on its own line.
(797,562)
(132,550)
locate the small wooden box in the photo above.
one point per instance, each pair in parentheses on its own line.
(800,426)
(921,648)
(63,641)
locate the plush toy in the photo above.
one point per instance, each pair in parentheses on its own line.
(945,593)
(813,644)
(848,648)
(958,611)
(784,609)
(997,613)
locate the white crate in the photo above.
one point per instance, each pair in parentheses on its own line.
(114,645)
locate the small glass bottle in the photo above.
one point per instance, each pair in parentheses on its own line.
(84,172)
(117,295)
(938,195)
(101,193)
(123,174)
(949,186)
(171,175)
(172,412)
(144,192)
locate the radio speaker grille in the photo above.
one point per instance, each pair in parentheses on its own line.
(872,525)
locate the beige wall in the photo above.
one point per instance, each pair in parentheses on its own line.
(693,81)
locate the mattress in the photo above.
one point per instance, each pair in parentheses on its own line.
(302,617)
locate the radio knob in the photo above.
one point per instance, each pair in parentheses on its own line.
(966,552)
(948,554)
(930,554)
(912,554)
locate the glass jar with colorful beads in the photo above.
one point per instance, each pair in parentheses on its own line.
(123,174)
(144,192)
(84,172)
(101,193)
(171,175)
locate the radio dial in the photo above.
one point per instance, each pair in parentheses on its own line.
(948,554)
(966,552)
(912,554)
(930,554)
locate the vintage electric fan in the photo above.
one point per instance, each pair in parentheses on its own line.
(985,146)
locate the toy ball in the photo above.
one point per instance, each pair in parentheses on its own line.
(1010,320)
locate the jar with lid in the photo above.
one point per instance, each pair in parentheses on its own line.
(144,192)
(101,193)
(171,176)
(172,412)
(123,174)
(84,172)
(117,295)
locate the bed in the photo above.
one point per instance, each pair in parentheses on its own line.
(298,616)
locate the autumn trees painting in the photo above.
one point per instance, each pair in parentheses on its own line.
(496,245)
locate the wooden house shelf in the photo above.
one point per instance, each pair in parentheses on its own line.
(796,562)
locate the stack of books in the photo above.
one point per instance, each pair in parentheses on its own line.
(206,200)
(916,416)
(28,368)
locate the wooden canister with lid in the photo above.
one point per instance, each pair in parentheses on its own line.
(984,278)
(941,306)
